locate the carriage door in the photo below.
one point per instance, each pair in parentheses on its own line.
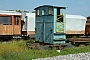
(17,25)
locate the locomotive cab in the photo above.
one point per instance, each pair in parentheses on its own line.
(50,24)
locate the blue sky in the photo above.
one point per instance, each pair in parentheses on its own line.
(78,7)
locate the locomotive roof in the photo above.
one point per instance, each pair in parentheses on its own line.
(50,6)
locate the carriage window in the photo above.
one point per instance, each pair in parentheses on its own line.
(43,11)
(50,10)
(37,12)
(6,20)
(16,20)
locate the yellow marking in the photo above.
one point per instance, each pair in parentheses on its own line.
(62,29)
(62,23)
(57,26)
(60,16)
(57,30)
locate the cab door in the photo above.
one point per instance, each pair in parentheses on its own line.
(59,22)
(39,31)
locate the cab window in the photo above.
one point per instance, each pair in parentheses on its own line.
(37,12)
(43,11)
(50,11)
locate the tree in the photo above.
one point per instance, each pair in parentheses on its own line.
(19,11)
(26,11)
(34,11)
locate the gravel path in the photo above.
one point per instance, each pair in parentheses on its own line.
(80,56)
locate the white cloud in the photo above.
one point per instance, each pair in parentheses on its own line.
(83,2)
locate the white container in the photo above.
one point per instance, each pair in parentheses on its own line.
(75,24)
(29,25)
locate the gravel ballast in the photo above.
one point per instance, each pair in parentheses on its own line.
(79,56)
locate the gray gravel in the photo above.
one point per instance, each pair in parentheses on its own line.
(80,56)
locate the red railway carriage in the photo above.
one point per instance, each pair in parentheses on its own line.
(87,29)
(10,23)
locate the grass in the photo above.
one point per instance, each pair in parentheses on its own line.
(75,50)
(17,50)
